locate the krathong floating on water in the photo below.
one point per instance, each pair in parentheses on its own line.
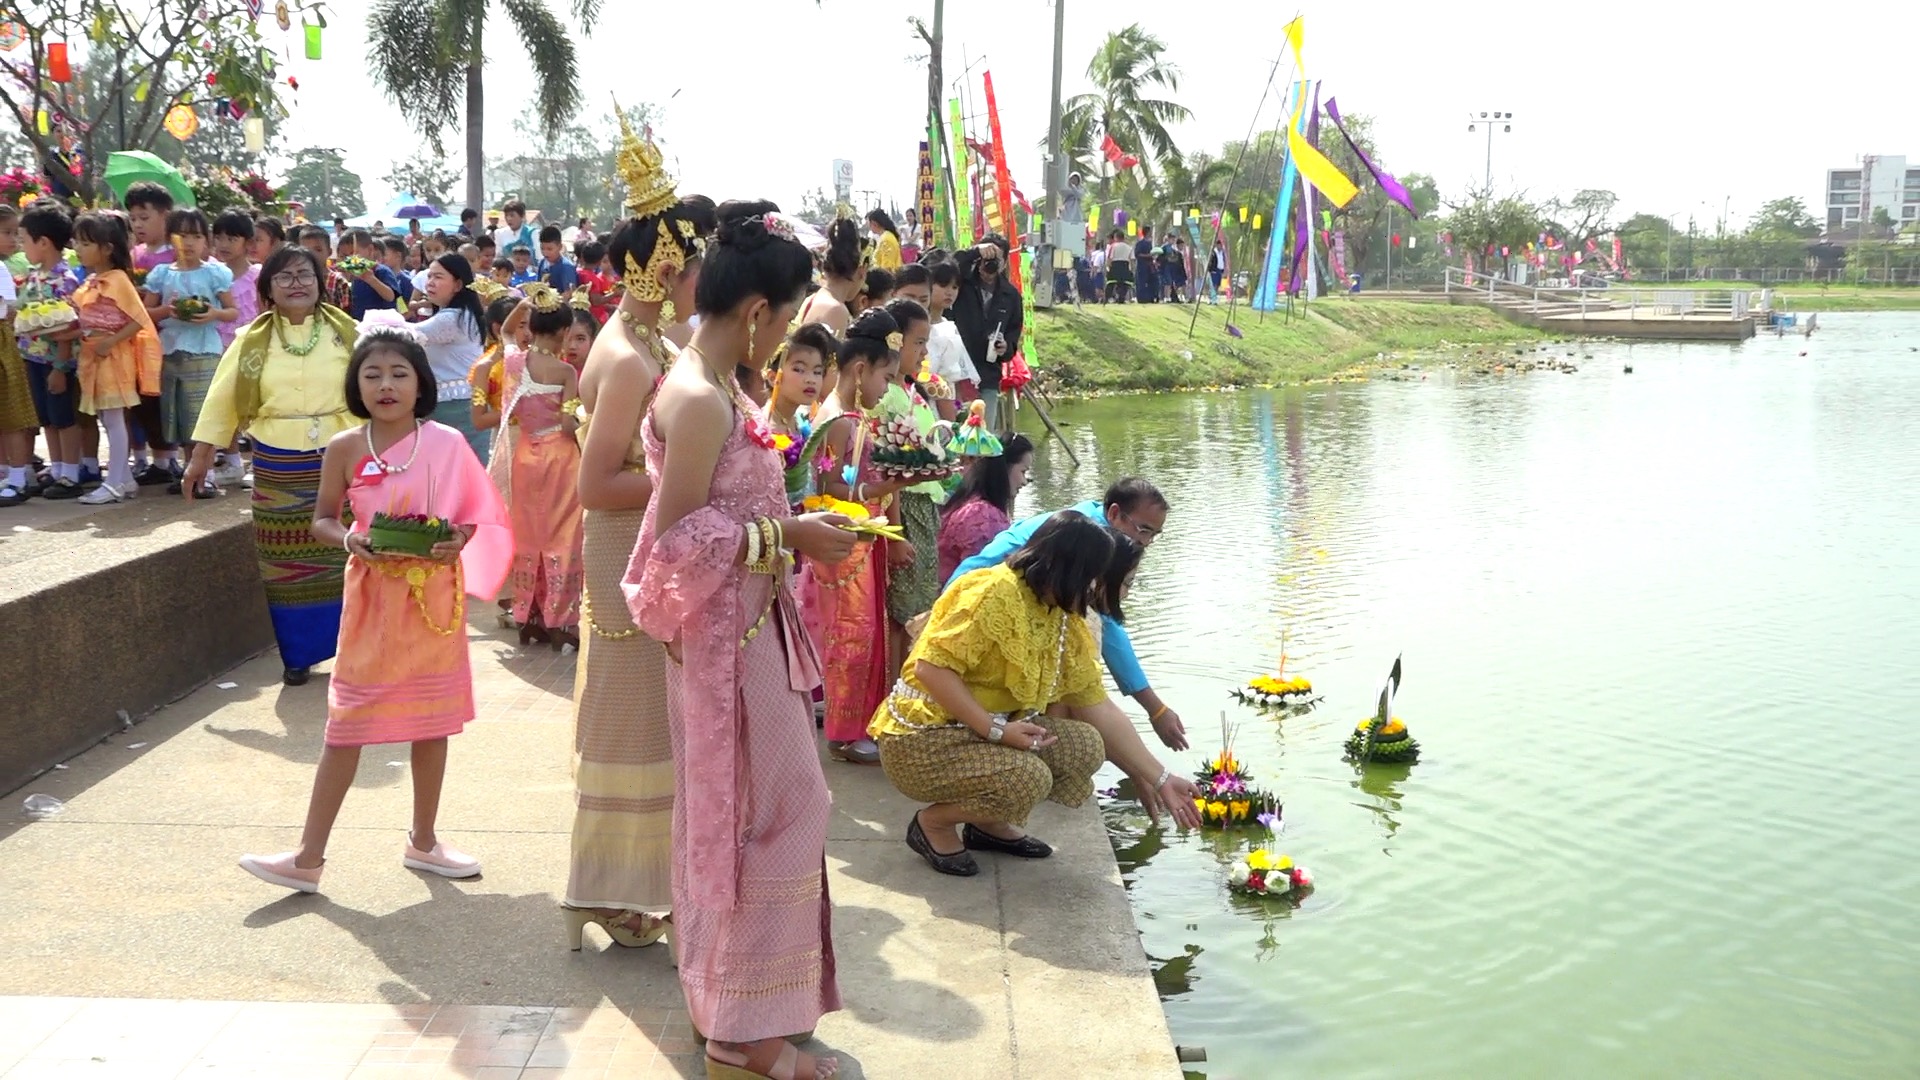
(1262,873)
(1228,797)
(1382,738)
(1276,691)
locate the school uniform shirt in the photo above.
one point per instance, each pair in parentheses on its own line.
(361,297)
(947,354)
(206,282)
(505,239)
(521,277)
(562,275)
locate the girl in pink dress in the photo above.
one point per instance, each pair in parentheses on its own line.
(401,673)
(981,508)
(751,918)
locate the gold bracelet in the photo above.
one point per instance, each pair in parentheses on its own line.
(1160,712)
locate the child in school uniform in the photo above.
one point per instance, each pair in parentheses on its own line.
(47,229)
(194,294)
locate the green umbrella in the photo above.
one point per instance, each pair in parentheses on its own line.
(128,167)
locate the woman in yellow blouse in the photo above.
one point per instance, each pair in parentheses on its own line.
(886,240)
(283,381)
(1001,705)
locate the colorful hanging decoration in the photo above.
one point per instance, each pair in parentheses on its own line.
(40,122)
(253,10)
(925,185)
(1118,157)
(11,35)
(59,68)
(282,16)
(1392,187)
(1256,223)
(256,134)
(181,122)
(313,40)
(1266,295)
(1243,215)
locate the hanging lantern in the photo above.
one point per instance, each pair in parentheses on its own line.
(256,130)
(1243,215)
(58,67)
(1132,229)
(181,122)
(40,122)
(313,40)
(282,16)
(1256,223)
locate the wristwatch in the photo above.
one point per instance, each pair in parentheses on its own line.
(997,732)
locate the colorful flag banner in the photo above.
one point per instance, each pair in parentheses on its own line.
(1393,188)
(1119,157)
(1266,297)
(962,198)
(1003,185)
(926,190)
(59,67)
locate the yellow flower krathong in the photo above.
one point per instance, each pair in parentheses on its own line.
(1390,744)
(860,521)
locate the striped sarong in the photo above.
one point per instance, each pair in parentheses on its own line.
(304,577)
(184,378)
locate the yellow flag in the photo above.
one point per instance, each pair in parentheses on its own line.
(1256,222)
(1133,227)
(1243,215)
(1324,175)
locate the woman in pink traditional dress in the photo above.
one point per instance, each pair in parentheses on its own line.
(401,674)
(846,602)
(751,918)
(535,448)
(981,508)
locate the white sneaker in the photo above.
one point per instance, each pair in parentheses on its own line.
(229,472)
(102,495)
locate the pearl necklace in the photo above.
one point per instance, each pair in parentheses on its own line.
(392,470)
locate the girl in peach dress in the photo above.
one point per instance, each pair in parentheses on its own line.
(402,673)
(119,357)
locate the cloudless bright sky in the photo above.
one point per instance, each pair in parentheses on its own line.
(1678,107)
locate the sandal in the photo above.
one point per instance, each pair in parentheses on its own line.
(764,1062)
(958,864)
(855,752)
(618,927)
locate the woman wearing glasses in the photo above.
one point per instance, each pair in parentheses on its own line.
(283,381)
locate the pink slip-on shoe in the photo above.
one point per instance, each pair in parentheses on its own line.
(442,860)
(279,869)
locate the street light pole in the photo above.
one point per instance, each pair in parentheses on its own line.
(1502,120)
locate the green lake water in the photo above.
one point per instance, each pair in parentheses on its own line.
(1662,651)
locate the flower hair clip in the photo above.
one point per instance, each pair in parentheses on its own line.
(778,225)
(895,340)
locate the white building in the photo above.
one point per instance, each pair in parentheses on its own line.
(1878,181)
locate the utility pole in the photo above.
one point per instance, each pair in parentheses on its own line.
(1056,166)
(1389,244)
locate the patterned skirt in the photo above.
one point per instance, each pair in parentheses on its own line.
(545,509)
(622,756)
(993,782)
(912,589)
(402,673)
(304,577)
(16,394)
(184,378)
(458,415)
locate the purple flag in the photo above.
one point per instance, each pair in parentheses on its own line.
(1386,181)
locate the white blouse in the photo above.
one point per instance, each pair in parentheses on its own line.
(453,345)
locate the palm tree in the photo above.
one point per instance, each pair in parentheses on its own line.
(1127,67)
(427,55)
(1196,180)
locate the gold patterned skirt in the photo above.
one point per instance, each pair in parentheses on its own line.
(622,759)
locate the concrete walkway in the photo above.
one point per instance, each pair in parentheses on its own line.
(135,947)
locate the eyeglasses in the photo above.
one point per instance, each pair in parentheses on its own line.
(295,277)
(1146,532)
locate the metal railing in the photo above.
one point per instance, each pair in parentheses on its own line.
(1621,300)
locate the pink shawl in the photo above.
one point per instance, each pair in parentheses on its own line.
(446,481)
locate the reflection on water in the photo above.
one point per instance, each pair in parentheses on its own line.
(1659,633)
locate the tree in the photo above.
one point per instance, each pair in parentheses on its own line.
(221,141)
(1127,67)
(1646,241)
(817,209)
(128,66)
(322,182)
(576,173)
(1787,217)
(428,56)
(429,178)
(1586,216)
(1483,225)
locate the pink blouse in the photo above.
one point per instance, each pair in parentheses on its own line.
(965,530)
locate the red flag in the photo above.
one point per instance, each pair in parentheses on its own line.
(1116,155)
(1003,186)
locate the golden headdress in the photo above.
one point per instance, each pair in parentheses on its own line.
(488,289)
(542,296)
(581,299)
(649,188)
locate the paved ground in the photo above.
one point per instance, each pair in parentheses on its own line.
(136,948)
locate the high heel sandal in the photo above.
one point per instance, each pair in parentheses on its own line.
(558,638)
(616,927)
(783,1064)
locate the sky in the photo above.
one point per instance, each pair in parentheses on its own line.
(1683,109)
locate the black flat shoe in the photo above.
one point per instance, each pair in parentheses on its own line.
(1027,847)
(296,676)
(959,864)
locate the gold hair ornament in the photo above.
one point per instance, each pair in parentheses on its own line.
(542,296)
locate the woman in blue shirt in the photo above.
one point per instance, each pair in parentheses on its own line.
(1136,508)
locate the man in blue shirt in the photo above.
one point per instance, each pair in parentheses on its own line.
(554,267)
(1136,508)
(374,289)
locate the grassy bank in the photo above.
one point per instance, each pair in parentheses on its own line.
(1146,347)
(1804,296)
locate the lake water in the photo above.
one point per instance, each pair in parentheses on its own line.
(1662,652)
